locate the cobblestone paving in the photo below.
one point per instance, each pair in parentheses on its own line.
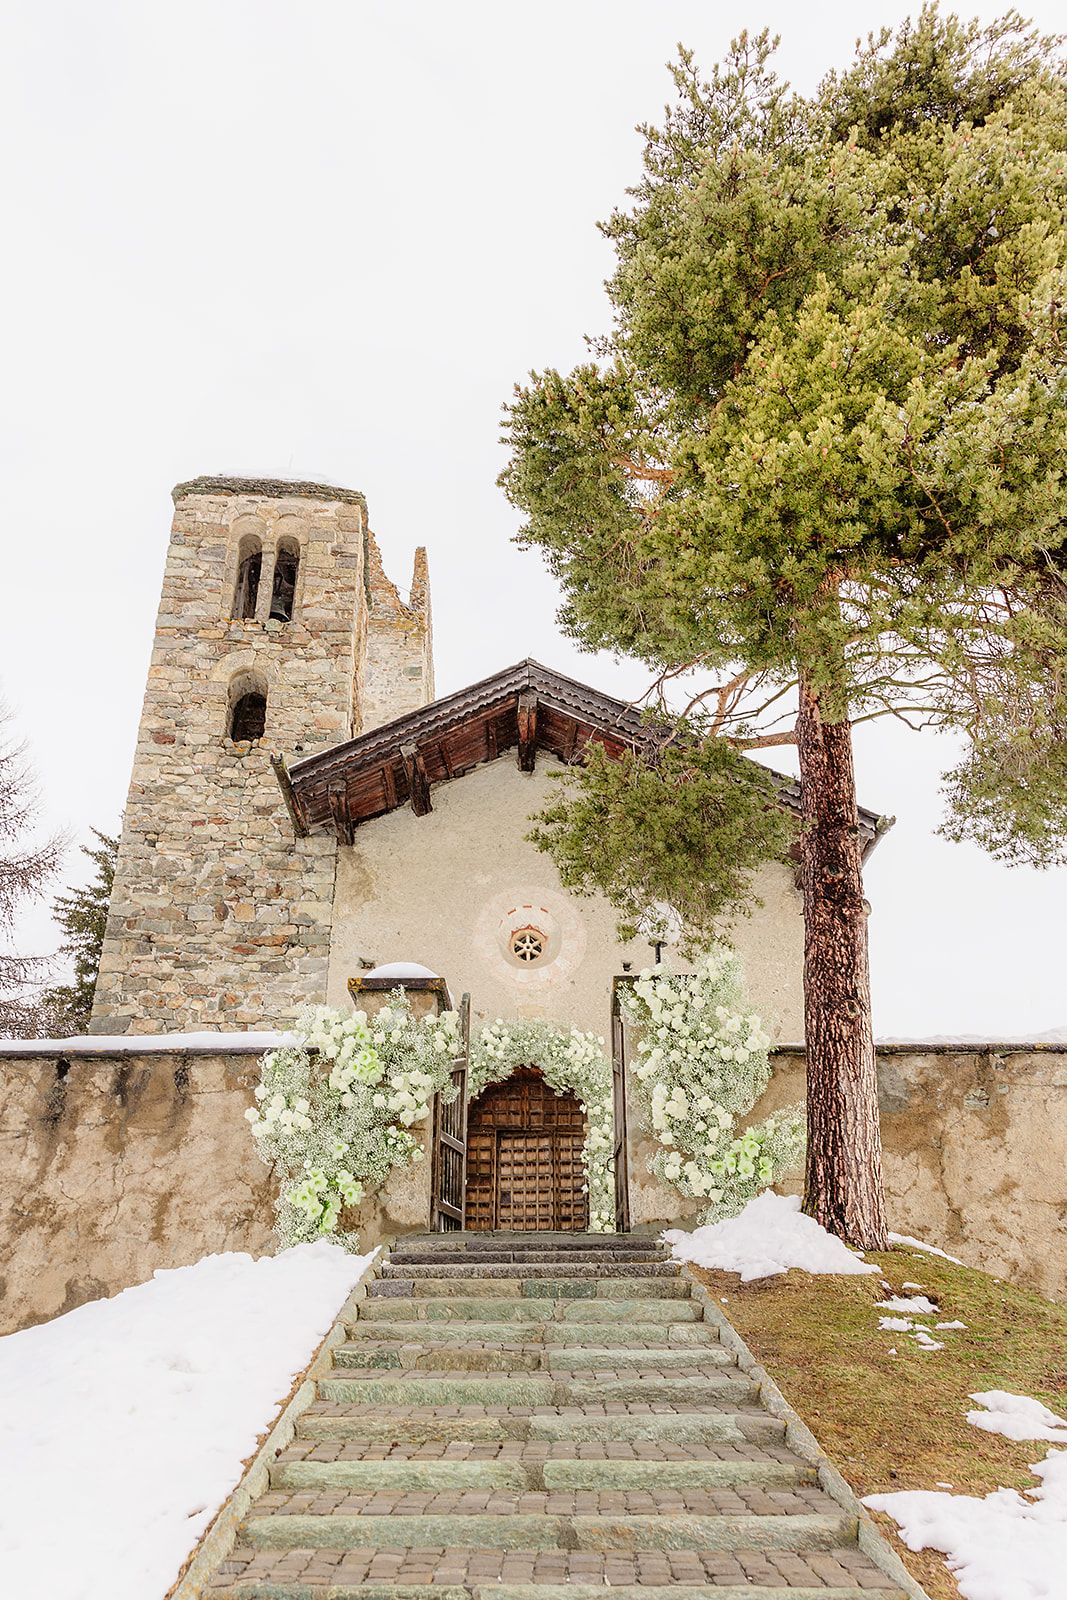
(515,1419)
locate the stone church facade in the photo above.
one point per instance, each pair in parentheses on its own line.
(302,809)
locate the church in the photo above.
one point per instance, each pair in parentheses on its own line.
(303,810)
(304,813)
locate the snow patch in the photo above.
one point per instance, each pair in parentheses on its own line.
(139,1412)
(1017,1417)
(401,969)
(110,1044)
(770,1235)
(916,1305)
(930,1249)
(1007,1546)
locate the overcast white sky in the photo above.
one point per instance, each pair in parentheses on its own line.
(323,238)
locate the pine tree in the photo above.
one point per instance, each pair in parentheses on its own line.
(82,914)
(25,868)
(815,471)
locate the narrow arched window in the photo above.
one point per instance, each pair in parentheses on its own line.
(247,716)
(286,567)
(249,567)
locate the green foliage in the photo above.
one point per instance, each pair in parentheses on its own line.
(825,433)
(612,830)
(82,914)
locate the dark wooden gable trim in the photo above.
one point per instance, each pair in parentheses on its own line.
(527,707)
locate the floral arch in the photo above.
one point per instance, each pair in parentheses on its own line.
(569,1061)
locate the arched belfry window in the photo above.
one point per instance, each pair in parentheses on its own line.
(247,715)
(286,567)
(249,567)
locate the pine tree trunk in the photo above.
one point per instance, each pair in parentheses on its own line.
(843,1182)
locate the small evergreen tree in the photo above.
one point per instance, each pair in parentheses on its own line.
(82,914)
(816,471)
(25,868)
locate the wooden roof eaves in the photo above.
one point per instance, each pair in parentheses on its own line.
(552,689)
(380,747)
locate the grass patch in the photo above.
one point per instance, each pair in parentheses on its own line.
(899,1421)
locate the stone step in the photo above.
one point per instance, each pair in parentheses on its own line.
(515,1472)
(470,1356)
(475,1242)
(734,1500)
(597,1335)
(516,1269)
(490,1531)
(475,1259)
(511,1308)
(414,1424)
(525,1389)
(649,1283)
(557,1587)
(538,1451)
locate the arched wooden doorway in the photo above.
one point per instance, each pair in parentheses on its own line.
(524,1158)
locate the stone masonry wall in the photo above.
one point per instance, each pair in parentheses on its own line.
(398,666)
(116,1164)
(973,1142)
(220,918)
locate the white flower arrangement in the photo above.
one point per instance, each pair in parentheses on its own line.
(332,1116)
(703,1064)
(569,1061)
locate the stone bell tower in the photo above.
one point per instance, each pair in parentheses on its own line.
(220,918)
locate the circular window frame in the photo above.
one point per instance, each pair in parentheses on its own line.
(528,945)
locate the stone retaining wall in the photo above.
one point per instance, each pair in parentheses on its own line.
(117,1164)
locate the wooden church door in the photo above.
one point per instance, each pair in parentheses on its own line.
(524,1158)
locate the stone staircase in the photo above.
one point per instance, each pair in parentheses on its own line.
(521,1417)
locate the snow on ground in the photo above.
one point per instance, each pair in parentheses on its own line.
(930,1249)
(1005,1546)
(1016,1416)
(124,1425)
(110,1044)
(915,1305)
(770,1235)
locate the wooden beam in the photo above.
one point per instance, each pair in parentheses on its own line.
(342,817)
(292,804)
(527,712)
(389,784)
(418,783)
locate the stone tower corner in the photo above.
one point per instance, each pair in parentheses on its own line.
(398,671)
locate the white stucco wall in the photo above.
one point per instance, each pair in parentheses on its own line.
(446,889)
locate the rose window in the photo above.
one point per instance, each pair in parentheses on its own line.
(528,945)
